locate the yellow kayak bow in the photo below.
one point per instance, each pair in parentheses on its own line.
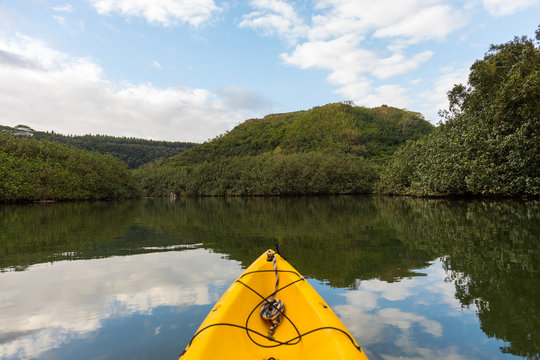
(272,312)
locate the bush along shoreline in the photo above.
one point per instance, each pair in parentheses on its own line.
(489,143)
(313,173)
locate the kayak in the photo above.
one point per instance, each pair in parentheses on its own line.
(272,313)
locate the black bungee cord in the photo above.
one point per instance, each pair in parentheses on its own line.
(292,341)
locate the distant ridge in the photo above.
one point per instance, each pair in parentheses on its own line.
(134,152)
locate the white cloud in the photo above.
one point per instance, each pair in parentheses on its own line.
(356,91)
(436,98)
(64,8)
(424,23)
(412,19)
(61,16)
(350,65)
(156,64)
(93,291)
(499,8)
(60,19)
(50,90)
(163,12)
(398,64)
(335,39)
(341,56)
(274,17)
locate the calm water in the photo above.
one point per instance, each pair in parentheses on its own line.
(410,278)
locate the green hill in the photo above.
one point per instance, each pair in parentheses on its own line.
(42,170)
(134,152)
(339,128)
(331,149)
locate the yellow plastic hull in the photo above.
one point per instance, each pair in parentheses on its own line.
(234,328)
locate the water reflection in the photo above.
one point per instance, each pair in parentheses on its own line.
(432,278)
(492,256)
(48,305)
(421,319)
(337,238)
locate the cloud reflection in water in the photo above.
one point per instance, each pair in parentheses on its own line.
(76,297)
(411,319)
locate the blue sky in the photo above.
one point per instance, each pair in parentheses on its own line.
(189,70)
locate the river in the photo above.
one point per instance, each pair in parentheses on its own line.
(410,278)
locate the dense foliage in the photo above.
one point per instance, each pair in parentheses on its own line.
(134,152)
(339,128)
(265,174)
(489,142)
(332,149)
(39,170)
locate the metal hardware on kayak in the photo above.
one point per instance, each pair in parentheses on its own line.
(273,308)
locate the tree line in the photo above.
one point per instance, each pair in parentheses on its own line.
(134,152)
(489,142)
(265,174)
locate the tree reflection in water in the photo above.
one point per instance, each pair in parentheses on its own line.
(490,250)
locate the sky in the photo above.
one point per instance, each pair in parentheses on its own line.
(190,70)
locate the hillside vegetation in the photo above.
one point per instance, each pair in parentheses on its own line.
(134,152)
(490,142)
(331,149)
(36,170)
(339,128)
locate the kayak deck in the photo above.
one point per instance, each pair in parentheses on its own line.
(234,328)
